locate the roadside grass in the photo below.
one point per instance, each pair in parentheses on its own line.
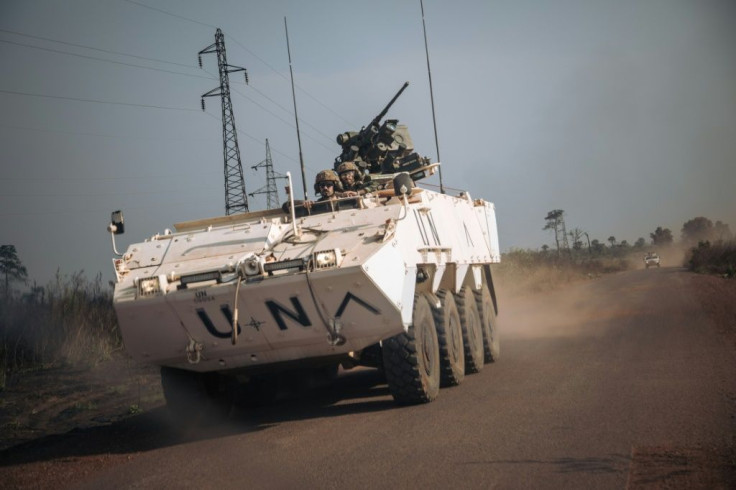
(70,321)
(530,271)
(713,258)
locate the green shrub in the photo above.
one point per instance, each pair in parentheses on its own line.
(713,258)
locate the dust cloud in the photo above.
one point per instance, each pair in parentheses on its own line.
(580,308)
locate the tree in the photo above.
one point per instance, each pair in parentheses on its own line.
(640,243)
(661,236)
(722,232)
(597,246)
(696,230)
(11,267)
(577,234)
(612,239)
(556,222)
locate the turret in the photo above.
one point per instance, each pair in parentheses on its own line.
(384,148)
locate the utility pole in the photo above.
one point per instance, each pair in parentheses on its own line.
(236,200)
(270,189)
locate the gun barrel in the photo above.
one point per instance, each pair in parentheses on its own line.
(378,118)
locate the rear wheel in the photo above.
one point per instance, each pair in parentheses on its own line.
(450,339)
(491,344)
(472,331)
(411,359)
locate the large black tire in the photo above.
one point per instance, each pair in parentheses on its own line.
(194,398)
(450,339)
(491,344)
(472,330)
(411,359)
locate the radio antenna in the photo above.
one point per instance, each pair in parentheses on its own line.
(431,96)
(296,117)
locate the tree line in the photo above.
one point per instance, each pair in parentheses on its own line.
(694,232)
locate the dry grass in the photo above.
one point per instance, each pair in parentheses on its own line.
(71,320)
(528,271)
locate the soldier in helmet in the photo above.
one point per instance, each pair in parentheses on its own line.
(354,182)
(327,185)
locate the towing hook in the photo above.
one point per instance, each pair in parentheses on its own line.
(333,333)
(335,339)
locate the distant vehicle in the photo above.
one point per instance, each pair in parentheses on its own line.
(651,260)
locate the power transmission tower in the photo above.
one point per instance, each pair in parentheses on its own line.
(236,200)
(270,189)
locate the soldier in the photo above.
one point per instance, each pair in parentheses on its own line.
(354,182)
(327,185)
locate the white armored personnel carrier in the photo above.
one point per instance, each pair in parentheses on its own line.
(399,279)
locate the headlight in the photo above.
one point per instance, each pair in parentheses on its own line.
(326,259)
(149,286)
(251,267)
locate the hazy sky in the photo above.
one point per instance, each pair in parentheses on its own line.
(620,112)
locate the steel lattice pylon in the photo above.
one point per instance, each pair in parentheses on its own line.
(236,200)
(270,189)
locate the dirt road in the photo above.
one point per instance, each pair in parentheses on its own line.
(626,381)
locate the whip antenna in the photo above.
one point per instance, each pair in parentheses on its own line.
(431,96)
(296,117)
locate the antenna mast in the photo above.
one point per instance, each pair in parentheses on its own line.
(270,189)
(236,200)
(431,96)
(293,95)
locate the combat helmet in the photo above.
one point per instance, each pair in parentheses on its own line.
(329,176)
(347,167)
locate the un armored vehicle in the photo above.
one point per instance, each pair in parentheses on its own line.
(398,279)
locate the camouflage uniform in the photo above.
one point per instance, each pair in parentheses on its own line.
(362,183)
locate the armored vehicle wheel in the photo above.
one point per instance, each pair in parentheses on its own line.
(450,338)
(193,398)
(411,359)
(491,344)
(472,330)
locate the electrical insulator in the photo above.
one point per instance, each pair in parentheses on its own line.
(246,76)
(202,101)
(199,57)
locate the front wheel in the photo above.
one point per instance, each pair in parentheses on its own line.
(411,359)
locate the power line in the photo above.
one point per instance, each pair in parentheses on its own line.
(95,49)
(109,194)
(95,58)
(171,14)
(212,77)
(78,179)
(79,99)
(98,135)
(233,39)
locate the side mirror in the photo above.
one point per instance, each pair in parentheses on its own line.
(117,224)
